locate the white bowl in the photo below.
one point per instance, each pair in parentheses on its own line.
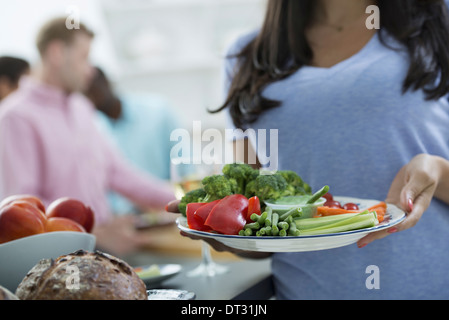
(17,257)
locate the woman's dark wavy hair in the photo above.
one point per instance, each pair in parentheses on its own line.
(281,48)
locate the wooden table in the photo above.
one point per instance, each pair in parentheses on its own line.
(245,279)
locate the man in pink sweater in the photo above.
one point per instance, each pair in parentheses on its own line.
(50,146)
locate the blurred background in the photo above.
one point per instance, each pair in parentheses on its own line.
(170,52)
(171,48)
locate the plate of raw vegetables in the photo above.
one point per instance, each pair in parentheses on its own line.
(264,216)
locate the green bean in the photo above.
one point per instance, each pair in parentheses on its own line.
(283,225)
(254,217)
(262,218)
(294,233)
(318,194)
(248,232)
(282,233)
(292,230)
(274,224)
(266,231)
(275,219)
(293,212)
(253,225)
(269,216)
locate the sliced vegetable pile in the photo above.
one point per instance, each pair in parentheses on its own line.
(233,204)
(271,223)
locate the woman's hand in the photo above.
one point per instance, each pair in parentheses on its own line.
(120,237)
(412,190)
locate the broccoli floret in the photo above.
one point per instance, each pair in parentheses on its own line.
(240,174)
(252,174)
(297,185)
(291,177)
(307,188)
(250,189)
(217,187)
(271,186)
(196,195)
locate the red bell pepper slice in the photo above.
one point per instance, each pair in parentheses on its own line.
(229,215)
(253,207)
(203,212)
(193,222)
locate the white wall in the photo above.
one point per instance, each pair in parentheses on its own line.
(20,21)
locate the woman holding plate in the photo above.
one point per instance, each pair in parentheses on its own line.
(364,111)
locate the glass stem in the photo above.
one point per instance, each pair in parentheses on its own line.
(207,259)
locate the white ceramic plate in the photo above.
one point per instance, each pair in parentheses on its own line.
(393,216)
(166,271)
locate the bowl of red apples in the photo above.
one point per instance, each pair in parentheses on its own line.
(30,232)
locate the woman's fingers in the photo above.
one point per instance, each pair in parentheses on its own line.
(172,206)
(412,190)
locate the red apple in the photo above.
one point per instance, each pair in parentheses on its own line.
(63,224)
(72,209)
(20,219)
(24,197)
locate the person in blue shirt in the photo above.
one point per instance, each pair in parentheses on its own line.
(140,125)
(364,111)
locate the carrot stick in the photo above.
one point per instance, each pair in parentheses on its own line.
(326,211)
(379,205)
(380,208)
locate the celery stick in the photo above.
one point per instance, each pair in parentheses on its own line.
(364,223)
(362,220)
(344,221)
(310,223)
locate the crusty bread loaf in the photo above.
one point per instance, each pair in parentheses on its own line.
(82,276)
(5,294)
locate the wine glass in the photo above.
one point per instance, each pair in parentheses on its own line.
(186,175)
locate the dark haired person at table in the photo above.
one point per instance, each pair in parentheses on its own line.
(50,146)
(11,70)
(365,112)
(139,124)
